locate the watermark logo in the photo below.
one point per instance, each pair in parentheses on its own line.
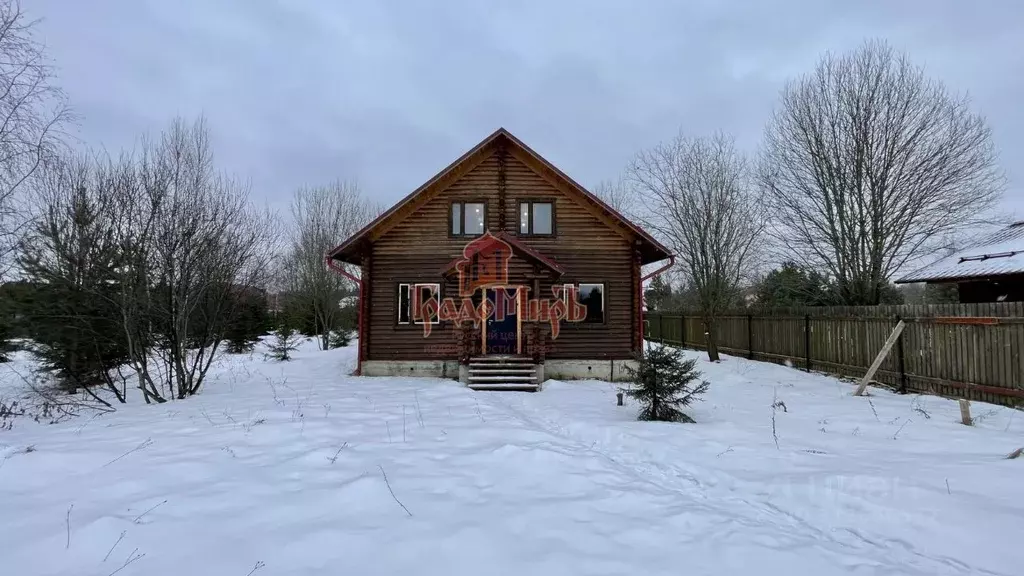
(482,268)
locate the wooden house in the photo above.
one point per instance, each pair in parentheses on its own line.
(500,271)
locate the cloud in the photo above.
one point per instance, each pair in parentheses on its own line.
(387,93)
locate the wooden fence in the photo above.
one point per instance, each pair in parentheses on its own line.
(969,351)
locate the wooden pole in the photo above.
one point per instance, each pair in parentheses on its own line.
(750,336)
(807,342)
(965,412)
(878,359)
(902,361)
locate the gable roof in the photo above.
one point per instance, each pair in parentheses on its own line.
(996,254)
(348,251)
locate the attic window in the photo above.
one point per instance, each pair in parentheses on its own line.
(467,218)
(536,218)
(983,257)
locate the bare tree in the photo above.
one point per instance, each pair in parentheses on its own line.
(194,247)
(33,111)
(696,195)
(324,216)
(617,194)
(868,164)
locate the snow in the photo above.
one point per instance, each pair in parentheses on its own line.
(1006,244)
(279,468)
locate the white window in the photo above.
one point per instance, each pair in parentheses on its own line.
(468,218)
(536,218)
(411,300)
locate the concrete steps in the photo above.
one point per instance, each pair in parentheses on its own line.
(515,373)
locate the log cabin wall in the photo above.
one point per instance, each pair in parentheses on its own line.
(416,248)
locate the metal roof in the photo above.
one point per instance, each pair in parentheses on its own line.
(999,253)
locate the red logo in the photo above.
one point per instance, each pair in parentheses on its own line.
(485,265)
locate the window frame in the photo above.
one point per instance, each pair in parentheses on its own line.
(530,202)
(462,218)
(604,302)
(411,285)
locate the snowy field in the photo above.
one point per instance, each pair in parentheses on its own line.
(279,468)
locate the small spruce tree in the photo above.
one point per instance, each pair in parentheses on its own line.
(340,338)
(663,383)
(247,323)
(285,341)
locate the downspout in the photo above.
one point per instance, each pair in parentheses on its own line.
(359,310)
(671,262)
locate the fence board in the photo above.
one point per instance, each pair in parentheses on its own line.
(979,359)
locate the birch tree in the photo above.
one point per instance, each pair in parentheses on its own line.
(869,164)
(696,196)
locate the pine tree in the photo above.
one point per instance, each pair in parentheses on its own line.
(658,295)
(6,347)
(248,321)
(347,321)
(69,259)
(285,341)
(340,338)
(664,382)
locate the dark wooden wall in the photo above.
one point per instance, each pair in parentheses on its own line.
(974,351)
(1008,288)
(419,246)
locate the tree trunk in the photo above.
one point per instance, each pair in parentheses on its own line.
(711,338)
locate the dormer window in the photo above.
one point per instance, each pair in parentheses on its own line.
(467,218)
(536,218)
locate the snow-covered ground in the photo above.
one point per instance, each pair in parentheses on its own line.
(279,468)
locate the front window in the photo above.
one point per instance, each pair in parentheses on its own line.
(591,296)
(411,300)
(467,218)
(536,218)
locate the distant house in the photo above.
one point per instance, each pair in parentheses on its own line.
(500,271)
(991,270)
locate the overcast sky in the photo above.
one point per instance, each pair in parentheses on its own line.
(388,93)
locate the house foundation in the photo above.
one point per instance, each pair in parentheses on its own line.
(413,368)
(607,370)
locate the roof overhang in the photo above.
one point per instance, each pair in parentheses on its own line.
(912,279)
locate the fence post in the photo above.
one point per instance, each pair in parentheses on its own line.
(682,330)
(750,336)
(807,340)
(661,327)
(902,360)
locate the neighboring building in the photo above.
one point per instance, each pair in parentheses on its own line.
(991,270)
(501,225)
